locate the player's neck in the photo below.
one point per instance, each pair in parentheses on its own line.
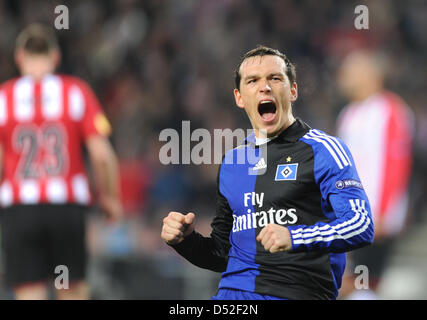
(367,92)
(37,77)
(263,134)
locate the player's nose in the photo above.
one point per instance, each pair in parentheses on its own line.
(264,86)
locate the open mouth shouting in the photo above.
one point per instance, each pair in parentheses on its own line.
(267,110)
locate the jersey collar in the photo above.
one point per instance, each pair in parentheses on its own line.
(291,134)
(294,132)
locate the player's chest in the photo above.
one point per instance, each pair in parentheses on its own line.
(281,177)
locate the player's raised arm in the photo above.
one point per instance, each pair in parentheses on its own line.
(205,252)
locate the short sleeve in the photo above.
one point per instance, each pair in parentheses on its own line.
(94,121)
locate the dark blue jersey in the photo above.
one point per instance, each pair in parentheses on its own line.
(304,180)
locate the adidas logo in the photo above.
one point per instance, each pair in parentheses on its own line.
(260,165)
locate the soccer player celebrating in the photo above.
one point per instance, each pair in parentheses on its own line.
(282,233)
(45,119)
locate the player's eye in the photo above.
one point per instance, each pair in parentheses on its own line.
(251,81)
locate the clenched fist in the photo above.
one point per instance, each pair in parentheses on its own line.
(177,226)
(275,238)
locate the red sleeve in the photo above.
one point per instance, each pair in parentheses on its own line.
(398,154)
(94,121)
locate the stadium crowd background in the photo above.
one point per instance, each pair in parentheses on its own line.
(155,63)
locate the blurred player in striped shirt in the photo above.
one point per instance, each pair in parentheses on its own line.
(377,127)
(45,120)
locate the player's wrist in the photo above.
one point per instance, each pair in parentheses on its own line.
(182,241)
(291,239)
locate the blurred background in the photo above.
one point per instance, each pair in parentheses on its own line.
(155,63)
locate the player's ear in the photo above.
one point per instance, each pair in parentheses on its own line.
(294,92)
(238,98)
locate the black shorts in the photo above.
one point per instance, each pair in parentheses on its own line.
(38,238)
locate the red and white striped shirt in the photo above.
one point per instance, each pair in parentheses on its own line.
(378,132)
(43,126)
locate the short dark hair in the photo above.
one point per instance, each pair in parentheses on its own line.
(37,39)
(261,50)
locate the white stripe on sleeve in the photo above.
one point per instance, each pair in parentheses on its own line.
(343,230)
